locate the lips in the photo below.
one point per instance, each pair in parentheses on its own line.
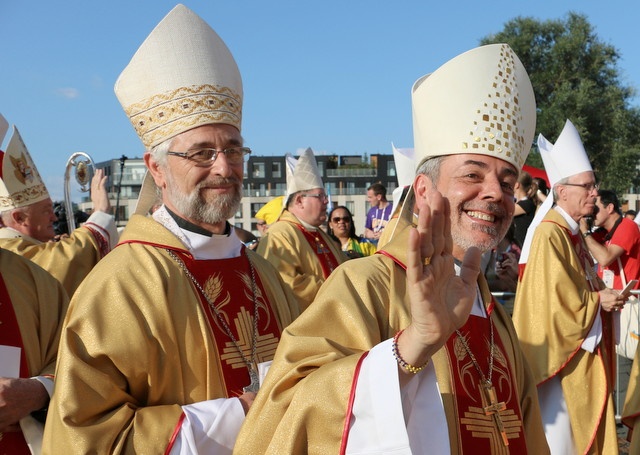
(481,216)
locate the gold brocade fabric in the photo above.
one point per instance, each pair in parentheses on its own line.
(554,310)
(40,304)
(287,249)
(136,346)
(302,406)
(69,261)
(631,410)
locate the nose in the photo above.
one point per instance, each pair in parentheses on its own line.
(221,166)
(492,188)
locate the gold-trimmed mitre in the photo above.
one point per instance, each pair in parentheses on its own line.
(303,173)
(20,181)
(480,102)
(182,76)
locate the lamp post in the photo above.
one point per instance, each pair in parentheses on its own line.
(123,158)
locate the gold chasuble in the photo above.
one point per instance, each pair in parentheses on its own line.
(304,405)
(304,258)
(553,314)
(69,261)
(631,410)
(32,308)
(140,341)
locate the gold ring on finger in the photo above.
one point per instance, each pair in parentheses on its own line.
(426,261)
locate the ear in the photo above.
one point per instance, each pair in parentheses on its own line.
(157,171)
(422,185)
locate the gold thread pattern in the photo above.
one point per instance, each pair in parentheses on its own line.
(175,111)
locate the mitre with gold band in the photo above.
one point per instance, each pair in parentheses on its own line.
(182,76)
(20,181)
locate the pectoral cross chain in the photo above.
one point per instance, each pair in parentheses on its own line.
(493,409)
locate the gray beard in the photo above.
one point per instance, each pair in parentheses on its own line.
(195,207)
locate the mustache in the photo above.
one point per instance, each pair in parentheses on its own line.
(219,181)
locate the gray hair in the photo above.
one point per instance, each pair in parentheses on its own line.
(563,181)
(159,152)
(431,167)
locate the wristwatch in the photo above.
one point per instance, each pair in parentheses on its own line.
(586,234)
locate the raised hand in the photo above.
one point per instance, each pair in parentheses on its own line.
(440,300)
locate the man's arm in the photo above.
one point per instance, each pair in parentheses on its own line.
(440,300)
(604,254)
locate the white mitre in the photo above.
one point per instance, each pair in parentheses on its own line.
(182,76)
(480,102)
(20,181)
(302,173)
(404,160)
(561,160)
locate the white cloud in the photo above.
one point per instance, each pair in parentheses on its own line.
(68,92)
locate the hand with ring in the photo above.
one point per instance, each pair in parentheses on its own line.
(440,300)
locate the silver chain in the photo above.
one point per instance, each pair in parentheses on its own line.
(249,362)
(473,357)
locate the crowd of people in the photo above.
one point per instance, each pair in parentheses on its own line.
(186,335)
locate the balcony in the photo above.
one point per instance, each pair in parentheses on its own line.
(351,172)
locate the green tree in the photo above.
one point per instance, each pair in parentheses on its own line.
(575,76)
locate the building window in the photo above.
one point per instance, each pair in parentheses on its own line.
(350,205)
(255,207)
(276,170)
(258,170)
(391,168)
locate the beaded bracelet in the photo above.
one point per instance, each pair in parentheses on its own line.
(403,363)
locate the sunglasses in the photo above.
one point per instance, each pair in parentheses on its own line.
(337,219)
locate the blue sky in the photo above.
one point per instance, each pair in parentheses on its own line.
(332,75)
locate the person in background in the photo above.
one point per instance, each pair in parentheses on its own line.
(343,231)
(525,191)
(631,214)
(405,351)
(32,308)
(618,250)
(296,245)
(268,214)
(563,311)
(541,192)
(166,340)
(27,217)
(379,213)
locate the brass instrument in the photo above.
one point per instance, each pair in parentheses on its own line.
(83,172)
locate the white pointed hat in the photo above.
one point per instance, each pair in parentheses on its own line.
(405,171)
(20,181)
(4,127)
(182,76)
(480,102)
(303,173)
(563,159)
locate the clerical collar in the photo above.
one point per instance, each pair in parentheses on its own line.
(189,226)
(573,224)
(201,246)
(308,226)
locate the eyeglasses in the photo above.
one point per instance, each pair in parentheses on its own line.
(321,196)
(206,156)
(587,186)
(337,219)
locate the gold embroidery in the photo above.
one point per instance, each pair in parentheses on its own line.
(266,344)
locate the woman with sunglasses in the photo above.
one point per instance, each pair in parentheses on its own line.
(342,230)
